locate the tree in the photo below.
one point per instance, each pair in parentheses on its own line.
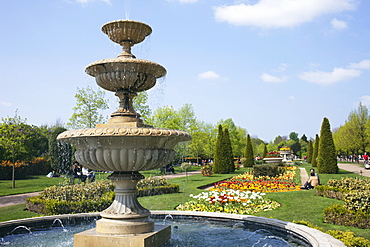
(249,157)
(309,151)
(237,136)
(86,112)
(228,152)
(326,158)
(220,165)
(315,151)
(140,105)
(293,136)
(265,151)
(20,141)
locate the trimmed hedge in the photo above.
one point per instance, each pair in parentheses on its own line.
(6,170)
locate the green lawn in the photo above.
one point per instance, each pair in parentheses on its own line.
(296,205)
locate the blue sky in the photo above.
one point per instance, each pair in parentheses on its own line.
(273,66)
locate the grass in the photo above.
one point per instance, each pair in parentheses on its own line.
(296,205)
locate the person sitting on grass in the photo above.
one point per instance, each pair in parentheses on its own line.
(313,181)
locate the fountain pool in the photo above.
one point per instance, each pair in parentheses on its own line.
(188,229)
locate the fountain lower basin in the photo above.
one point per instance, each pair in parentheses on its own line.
(302,235)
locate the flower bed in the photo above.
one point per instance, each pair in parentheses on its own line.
(247,182)
(229,201)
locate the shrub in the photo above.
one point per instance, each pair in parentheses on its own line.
(330,192)
(350,183)
(39,166)
(207,170)
(341,215)
(347,237)
(358,201)
(6,170)
(271,170)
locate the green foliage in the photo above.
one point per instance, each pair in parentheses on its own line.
(38,166)
(86,112)
(315,151)
(237,136)
(249,157)
(358,201)
(350,183)
(327,157)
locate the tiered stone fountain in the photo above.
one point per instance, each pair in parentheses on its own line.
(124,145)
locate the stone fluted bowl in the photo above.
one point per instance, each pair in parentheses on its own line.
(124,149)
(125,73)
(126,30)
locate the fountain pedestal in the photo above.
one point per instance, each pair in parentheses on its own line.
(91,238)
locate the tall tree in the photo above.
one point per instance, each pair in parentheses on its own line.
(309,151)
(86,112)
(249,157)
(228,152)
(327,158)
(315,151)
(237,136)
(220,165)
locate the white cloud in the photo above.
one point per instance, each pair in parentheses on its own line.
(365,100)
(273,79)
(280,13)
(327,78)
(291,97)
(208,75)
(338,25)
(2,103)
(364,64)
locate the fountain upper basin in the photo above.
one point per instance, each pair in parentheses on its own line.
(124,149)
(125,73)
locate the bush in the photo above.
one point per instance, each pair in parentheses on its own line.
(6,170)
(341,215)
(330,192)
(347,237)
(358,201)
(350,183)
(39,166)
(270,170)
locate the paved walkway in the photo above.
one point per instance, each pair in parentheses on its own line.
(6,201)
